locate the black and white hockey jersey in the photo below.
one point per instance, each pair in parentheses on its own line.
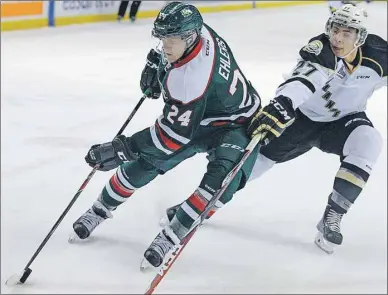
(323,87)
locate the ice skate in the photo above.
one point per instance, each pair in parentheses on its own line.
(163,244)
(88,221)
(329,233)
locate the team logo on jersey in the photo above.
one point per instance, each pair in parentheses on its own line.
(341,73)
(314,47)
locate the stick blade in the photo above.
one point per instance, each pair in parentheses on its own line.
(16,279)
(13,280)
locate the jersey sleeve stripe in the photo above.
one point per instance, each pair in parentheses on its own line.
(236,116)
(304,81)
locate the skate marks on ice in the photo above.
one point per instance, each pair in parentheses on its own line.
(276,237)
(264,236)
(101,264)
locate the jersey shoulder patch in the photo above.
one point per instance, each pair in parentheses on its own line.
(374,54)
(318,51)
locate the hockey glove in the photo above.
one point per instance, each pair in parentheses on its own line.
(272,120)
(110,155)
(149,75)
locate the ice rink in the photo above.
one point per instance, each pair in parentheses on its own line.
(67,88)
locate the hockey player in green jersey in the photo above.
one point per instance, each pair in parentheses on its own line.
(207,99)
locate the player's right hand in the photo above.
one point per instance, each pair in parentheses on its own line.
(271,121)
(149,75)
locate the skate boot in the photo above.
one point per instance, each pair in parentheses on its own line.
(329,233)
(164,242)
(88,221)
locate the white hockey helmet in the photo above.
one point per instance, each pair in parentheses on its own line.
(350,16)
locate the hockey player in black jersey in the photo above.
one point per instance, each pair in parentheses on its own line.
(322,105)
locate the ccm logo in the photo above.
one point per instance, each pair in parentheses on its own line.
(233,146)
(282,111)
(362,77)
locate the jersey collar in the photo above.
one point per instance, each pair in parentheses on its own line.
(190,56)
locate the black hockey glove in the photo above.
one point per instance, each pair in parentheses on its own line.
(272,120)
(149,75)
(110,155)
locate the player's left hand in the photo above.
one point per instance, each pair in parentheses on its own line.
(272,120)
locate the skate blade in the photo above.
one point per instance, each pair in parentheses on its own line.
(323,244)
(145,266)
(13,280)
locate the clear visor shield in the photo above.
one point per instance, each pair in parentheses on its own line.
(176,44)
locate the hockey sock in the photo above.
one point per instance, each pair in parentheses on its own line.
(117,190)
(348,184)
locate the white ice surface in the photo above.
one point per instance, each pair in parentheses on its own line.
(67,88)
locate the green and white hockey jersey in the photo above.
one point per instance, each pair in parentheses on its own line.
(206,88)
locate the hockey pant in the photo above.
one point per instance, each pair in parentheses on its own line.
(352,137)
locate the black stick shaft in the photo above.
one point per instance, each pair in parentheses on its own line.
(27,271)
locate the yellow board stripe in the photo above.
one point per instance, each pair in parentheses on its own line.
(350,178)
(81,19)
(24,24)
(285,3)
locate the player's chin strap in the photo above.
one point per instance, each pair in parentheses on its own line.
(343,58)
(350,52)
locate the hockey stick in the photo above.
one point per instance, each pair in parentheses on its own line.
(164,268)
(20,279)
